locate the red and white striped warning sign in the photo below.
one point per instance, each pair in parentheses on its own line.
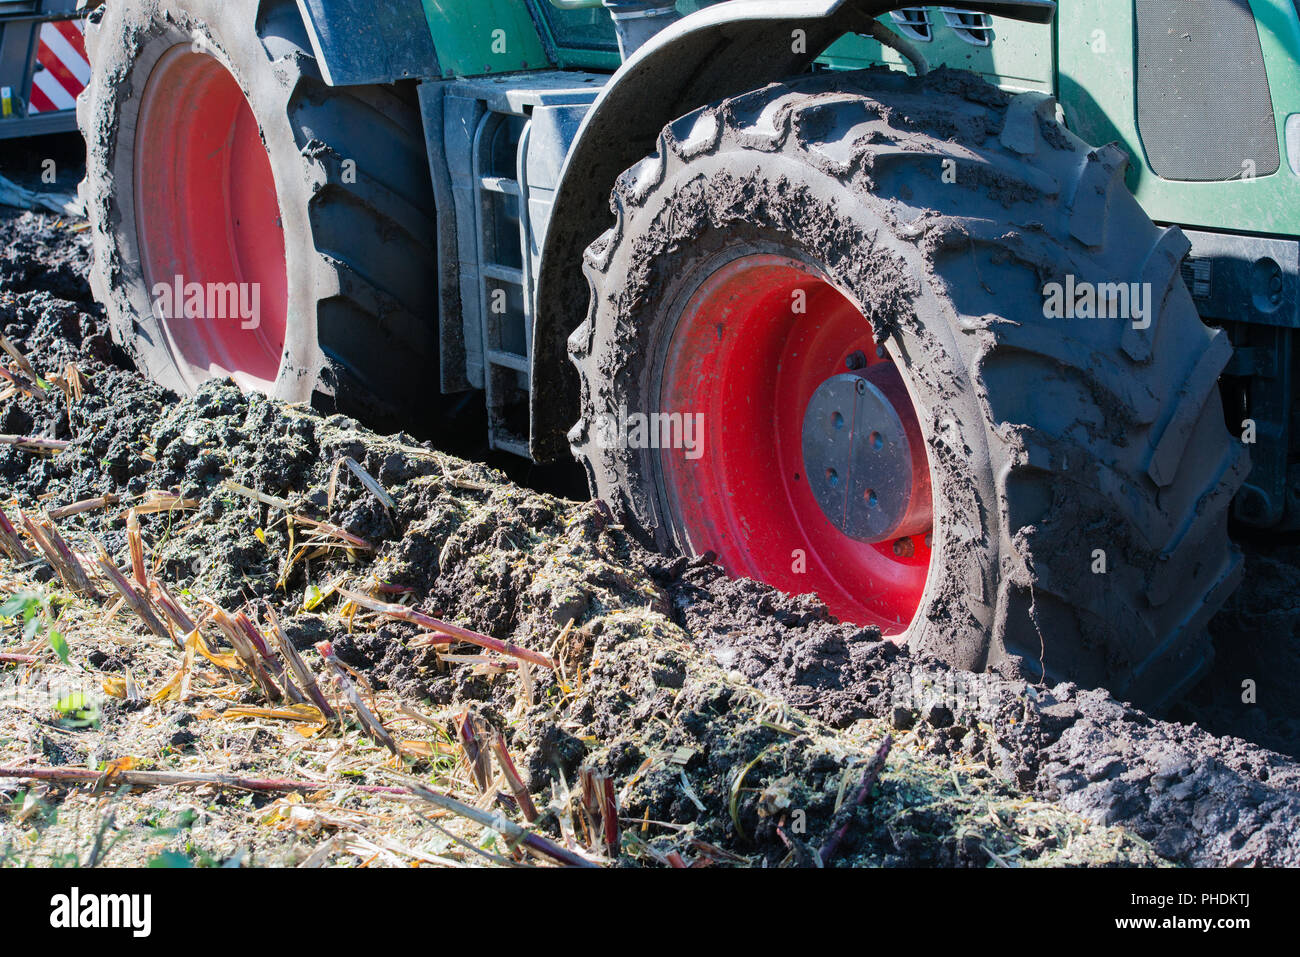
(63,69)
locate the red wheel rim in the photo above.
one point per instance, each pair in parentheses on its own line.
(207,211)
(747,358)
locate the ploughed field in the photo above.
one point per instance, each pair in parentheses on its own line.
(304,643)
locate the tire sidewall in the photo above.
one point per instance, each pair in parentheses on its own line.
(132,39)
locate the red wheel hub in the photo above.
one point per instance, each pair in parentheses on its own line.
(812,474)
(208,218)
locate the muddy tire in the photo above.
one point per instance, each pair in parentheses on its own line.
(331,219)
(1081,471)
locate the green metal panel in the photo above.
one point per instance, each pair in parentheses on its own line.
(584,39)
(478,37)
(1019,55)
(1088,60)
(1097,51)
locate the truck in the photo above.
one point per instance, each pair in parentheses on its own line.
(974,320)
(43,66)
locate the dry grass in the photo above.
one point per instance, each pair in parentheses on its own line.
(192,761)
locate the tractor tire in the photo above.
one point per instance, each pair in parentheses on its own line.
(217,155)
(1079,469)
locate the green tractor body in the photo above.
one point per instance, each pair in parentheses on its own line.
(1210,119)
(1088,58)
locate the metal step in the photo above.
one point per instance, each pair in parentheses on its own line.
(511,444)
(500,184)
(508,360)
(503,274)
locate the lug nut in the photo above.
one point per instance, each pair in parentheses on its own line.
(856,360)
(904,548)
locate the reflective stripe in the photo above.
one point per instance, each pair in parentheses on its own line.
(45,83)
(71,54)
(65,68)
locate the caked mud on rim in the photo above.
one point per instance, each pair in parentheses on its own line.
(814,475)
(208,212)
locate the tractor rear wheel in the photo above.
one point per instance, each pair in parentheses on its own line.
(819,346)
(250,221)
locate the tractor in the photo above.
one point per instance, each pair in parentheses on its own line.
(974,320)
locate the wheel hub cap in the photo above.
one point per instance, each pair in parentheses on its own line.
(859,453)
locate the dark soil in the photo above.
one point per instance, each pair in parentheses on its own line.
(666,656)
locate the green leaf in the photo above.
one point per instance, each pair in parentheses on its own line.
(59,644)
(171,859)
(72,702)
(18,605)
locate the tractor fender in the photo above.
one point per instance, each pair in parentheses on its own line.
(359,42)
(720,51)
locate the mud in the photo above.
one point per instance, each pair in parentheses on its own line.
(1199,799)
(720,707)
